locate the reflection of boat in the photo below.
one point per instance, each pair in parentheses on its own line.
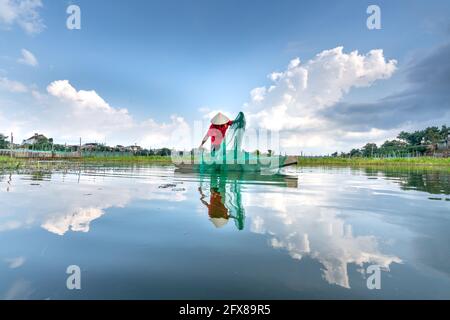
(243,178)
(221,194)
(243,163)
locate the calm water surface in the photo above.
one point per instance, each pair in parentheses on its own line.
(152,233)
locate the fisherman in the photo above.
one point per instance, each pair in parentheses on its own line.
(219,126)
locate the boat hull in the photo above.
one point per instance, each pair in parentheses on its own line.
(270,164)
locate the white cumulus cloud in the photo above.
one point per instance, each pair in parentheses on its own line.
(84,99)
(12,85)
(24,13)
(297,97)
(297,94)
(28,58)
(66,114)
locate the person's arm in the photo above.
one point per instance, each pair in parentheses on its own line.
(202,198)
(204,140)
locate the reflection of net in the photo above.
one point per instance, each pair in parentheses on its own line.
(230,192)
(233,202)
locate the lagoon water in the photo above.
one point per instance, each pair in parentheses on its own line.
(152,233)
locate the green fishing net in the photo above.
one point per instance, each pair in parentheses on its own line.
(236,133)
(231,147)
(231,153)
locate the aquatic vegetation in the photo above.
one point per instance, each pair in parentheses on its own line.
(9,163)
(360,161)
(125,159)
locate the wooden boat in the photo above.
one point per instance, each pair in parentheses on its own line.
(242,163)
(246,178)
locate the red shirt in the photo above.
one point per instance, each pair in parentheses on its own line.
(216,208)
(217,132)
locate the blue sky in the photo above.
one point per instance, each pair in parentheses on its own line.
(163,58)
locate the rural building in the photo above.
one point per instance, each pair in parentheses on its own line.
(90,146)
(444,144)
(133,148)
(35,139)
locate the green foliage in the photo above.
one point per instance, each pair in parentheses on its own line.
(164,152)
(3,141)
(407,144)
(369,150)
(430,135)
(155,159)
(360,161)
(355,153)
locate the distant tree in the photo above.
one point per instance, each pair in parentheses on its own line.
(270,152)
(393,148)
(405,136)
(165,152)
(334,154)
(414,139)
(393,144)
(3,141)
(355,153)
(445,131)
(432,135)
(369,150)
(59,147)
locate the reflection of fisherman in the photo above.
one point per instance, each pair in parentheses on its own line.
(224,205)
(217,211)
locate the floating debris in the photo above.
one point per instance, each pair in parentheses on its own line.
(432,198)
(34,184)
(166,186)
(178,189)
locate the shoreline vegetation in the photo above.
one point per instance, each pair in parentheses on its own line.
(428,148)
(24,163)
(31,163)
(361,161)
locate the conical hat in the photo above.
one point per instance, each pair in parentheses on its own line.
(219,222)
(220,119)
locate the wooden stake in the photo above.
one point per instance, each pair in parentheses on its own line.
(12,144)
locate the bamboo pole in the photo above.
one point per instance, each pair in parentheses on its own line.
(12,145)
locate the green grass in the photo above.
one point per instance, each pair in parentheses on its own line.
(125,159)
(419,161)
(9,163)
(15,163)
